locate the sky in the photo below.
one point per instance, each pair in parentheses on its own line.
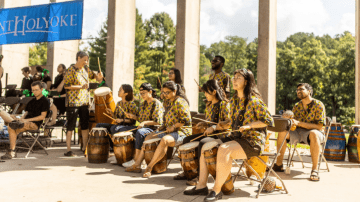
(220,18)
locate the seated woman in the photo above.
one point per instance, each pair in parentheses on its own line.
(178,115)
(217,110)
(59,102)
(249,116)
(175,76)
(126,105)
(150,114)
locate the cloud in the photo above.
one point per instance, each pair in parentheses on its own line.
(148,8)
(209,31)
(226,7)
(301,16)
(347,23)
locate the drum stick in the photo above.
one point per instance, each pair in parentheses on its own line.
(104,102)
(196,82)
(213,135)
(159,82)
(99,65)
(197,137)
(110,117)
(204,120)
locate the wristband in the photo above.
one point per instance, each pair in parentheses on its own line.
(59,95)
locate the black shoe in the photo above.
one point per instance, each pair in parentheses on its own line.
(277,168)
(213,197)
(69,153)
(194,191)
(16,125)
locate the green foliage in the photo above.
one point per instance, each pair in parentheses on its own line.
(38,54)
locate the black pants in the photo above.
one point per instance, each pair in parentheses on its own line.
(72,114)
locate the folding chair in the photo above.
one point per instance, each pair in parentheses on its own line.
(34,135)
(321,156)
(281,125)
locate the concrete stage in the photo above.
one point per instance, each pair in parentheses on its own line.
(56,178)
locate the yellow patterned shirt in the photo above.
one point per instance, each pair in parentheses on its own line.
(224,80)
(151,112)
(179,112)
(128,106)
(315,112)
(74,76)
(256,110)
(212,110)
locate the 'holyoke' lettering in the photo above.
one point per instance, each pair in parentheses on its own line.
(23,24)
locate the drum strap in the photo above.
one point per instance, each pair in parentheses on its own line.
(216,112)
(239,119)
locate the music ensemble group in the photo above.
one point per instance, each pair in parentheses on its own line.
(233,128)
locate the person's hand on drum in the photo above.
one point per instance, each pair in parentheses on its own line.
(108,110)
(295,122)
(130,116)
(223,125)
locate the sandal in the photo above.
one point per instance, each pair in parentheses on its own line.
(69,153)
(147,173)
(277,168)
(314,176)
(133,169)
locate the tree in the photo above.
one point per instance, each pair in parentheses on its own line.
(38,54)
(98,50)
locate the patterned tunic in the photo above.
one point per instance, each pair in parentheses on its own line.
(224,81)
(128,106)
(151,112)
(167,103)
(256,110)
(76,98)
(315,112)
(211,111)
(179,112)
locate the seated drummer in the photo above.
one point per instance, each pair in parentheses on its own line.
(150,114)
(248,114)
(126,105)
(35,113)
(173,131)
(175,76)
(217,110)
(309,118)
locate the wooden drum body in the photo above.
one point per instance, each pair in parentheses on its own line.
(353,146)
(189,159)
(103,96)
(98,146)
(335,146)
(123,147)
(210,152)
(150,147)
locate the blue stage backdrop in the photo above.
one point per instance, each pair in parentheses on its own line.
(43,23)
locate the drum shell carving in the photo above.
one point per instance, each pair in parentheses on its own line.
(123,148)
(189,160)
(100,108)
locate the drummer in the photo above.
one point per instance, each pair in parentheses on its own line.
(217,110)
(150,114)
(172,131)
(175,76)
(76,81)
(126,105)
(248,114)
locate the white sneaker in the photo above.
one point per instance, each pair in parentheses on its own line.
(128,164)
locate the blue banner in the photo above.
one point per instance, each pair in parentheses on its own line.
(43,23)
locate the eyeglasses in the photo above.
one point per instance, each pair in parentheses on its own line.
(166,92)
(143,93)
(300,89)
(235,78)
(171,73)
(214,61)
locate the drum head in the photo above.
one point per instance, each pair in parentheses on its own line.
(188,146)
(122,134)
(102,91)
(210,145)
(98,129)
(152,140)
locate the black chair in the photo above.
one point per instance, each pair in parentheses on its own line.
(33,135)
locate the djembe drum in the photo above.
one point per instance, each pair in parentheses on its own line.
(210,152)
(150,147)
(123,147)
(189,159)
(103,100)
(98,146)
